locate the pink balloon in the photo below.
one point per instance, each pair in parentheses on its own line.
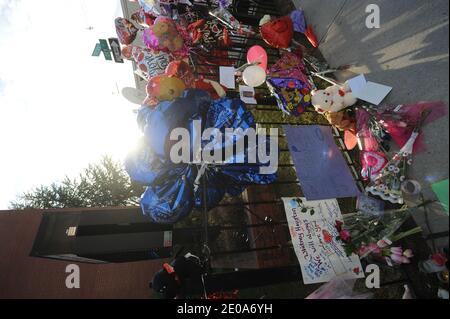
(257,54)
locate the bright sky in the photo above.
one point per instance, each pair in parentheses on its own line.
(60,108)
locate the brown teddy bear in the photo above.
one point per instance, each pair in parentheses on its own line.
(166,32)
(341,120)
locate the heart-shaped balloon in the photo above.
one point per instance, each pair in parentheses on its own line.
(126,31)
(372,163)
(278,33)
(181,70)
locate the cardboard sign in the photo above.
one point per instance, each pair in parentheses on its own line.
(314,237)
(321,169)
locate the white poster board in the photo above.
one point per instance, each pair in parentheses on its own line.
(227,77)
(368,91)
(314,237)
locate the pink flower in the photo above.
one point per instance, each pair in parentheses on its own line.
(383,243)
(374,249)
(439,259)
(399,259)
(363,250)
(397,251)
(345,235)
(408,253)
(339,225)
(405,260)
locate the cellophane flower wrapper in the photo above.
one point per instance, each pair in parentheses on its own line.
(387,184)
(339,287)
(400,120)
(366,229)
(372,156)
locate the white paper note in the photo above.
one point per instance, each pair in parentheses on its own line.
(357,84)
(371,92)
(227,76)
(243,91)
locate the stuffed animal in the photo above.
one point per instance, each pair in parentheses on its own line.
(163,88)
(341,120)
(333,99)
(168,36)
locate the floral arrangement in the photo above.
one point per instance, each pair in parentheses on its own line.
(367,235)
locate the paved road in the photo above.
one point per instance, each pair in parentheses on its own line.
(410,52)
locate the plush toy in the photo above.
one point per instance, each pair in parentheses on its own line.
(341,120)
(163,88)
(167,34)
(333,99)
(182,71)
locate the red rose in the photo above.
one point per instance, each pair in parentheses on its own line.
(345,236)
(339,225)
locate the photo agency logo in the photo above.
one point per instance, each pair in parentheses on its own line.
(73,279)
(373,19)
(235,146)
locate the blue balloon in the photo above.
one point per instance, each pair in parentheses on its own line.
(171,192)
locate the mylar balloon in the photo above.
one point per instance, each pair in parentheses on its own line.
(126,31)
(257,54)
(181,70)
(254,76)
(298,20)
(142,18)
(151,63)
(152,7)
(278,33)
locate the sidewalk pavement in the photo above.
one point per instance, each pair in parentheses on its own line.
(410,52)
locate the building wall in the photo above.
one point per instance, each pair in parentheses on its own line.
(22,276)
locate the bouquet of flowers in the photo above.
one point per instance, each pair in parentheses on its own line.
(367,235)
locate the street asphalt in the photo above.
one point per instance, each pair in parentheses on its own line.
(410,52)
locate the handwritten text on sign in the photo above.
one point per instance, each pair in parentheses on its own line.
(314,237)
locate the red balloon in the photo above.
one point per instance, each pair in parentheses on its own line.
(181,70)
(278,33)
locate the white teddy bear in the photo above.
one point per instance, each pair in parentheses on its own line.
(333,99)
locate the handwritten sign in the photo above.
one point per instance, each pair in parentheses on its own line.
(321,169)
(314,237)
